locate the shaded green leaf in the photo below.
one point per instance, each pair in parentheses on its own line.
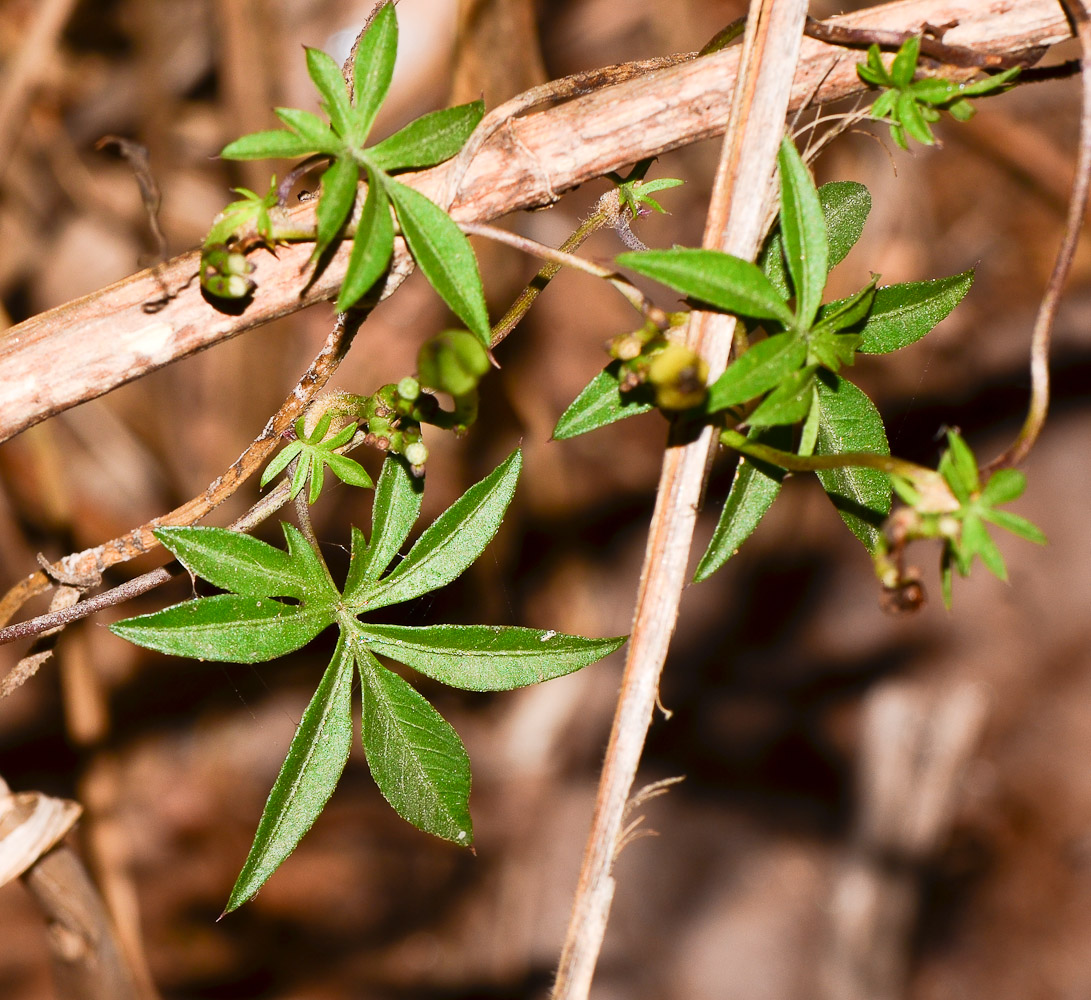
(901,314)
(444,256)
(372,70)
(729,283)
(753,490)
(1015,524)
(237,562)
(228,628)
(848,422)
(959,467)
(335,203)
(976,542)
(788,403)
(763,366)
(372,246)
(1003,486)
(485,657)
(416,758)
(395,509)
(453,541)
(312,128)
(306,780)
(326,76)
(845,207)
(276,144)
(803,229)
(600,403)
(428,140)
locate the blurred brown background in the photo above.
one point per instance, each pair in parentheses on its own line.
(873,807)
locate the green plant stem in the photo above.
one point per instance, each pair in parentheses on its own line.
(814,463)
(635,297)
(519,308)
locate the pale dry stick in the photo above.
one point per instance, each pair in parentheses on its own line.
(1051,299)
(27,69)
(141,540)
(85,348)
(735,224)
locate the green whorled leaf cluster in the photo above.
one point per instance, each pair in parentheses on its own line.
(437,244)
(416,758)
(911,106)
(314,453)
(962,524)
(791,375)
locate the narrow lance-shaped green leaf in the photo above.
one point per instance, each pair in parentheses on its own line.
(845,207)
(228,628)
(326,76)
(395,508)
(428,140)
(763,366)
(373,70)
(335,202)
(444,256)
(372,246)
(849,422)
(452,542)
(312,129)
(803,228)
(235,561)
(788,403)
(901,314)
(416,758)
(600,403)
(753,491)
(275,144)
(729,283)
(485,657)
(307,778)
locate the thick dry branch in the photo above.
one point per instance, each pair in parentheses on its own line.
(87,347)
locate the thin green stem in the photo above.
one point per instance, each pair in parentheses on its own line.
(521,306)
(635,297)
(816,463)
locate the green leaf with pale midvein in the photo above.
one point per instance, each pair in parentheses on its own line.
(307,778)
(326,76)
(416,758)
(444,256)
(335,202)
(753,490)
(235,561)
(485,657)
(600,403)
(729,283)
(764,365)
(451,543)
(848,422)
(803,228)
(372,246)
(428,140)
(901,314)
(373,70)
(227,628)
(395,509)
(845,206)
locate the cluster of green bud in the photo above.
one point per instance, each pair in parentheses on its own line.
(225,272)
(676,374)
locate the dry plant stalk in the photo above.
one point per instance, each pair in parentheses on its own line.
(735,224)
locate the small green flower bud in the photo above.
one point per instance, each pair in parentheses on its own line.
(409,389)
(679,376)
(452,362)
